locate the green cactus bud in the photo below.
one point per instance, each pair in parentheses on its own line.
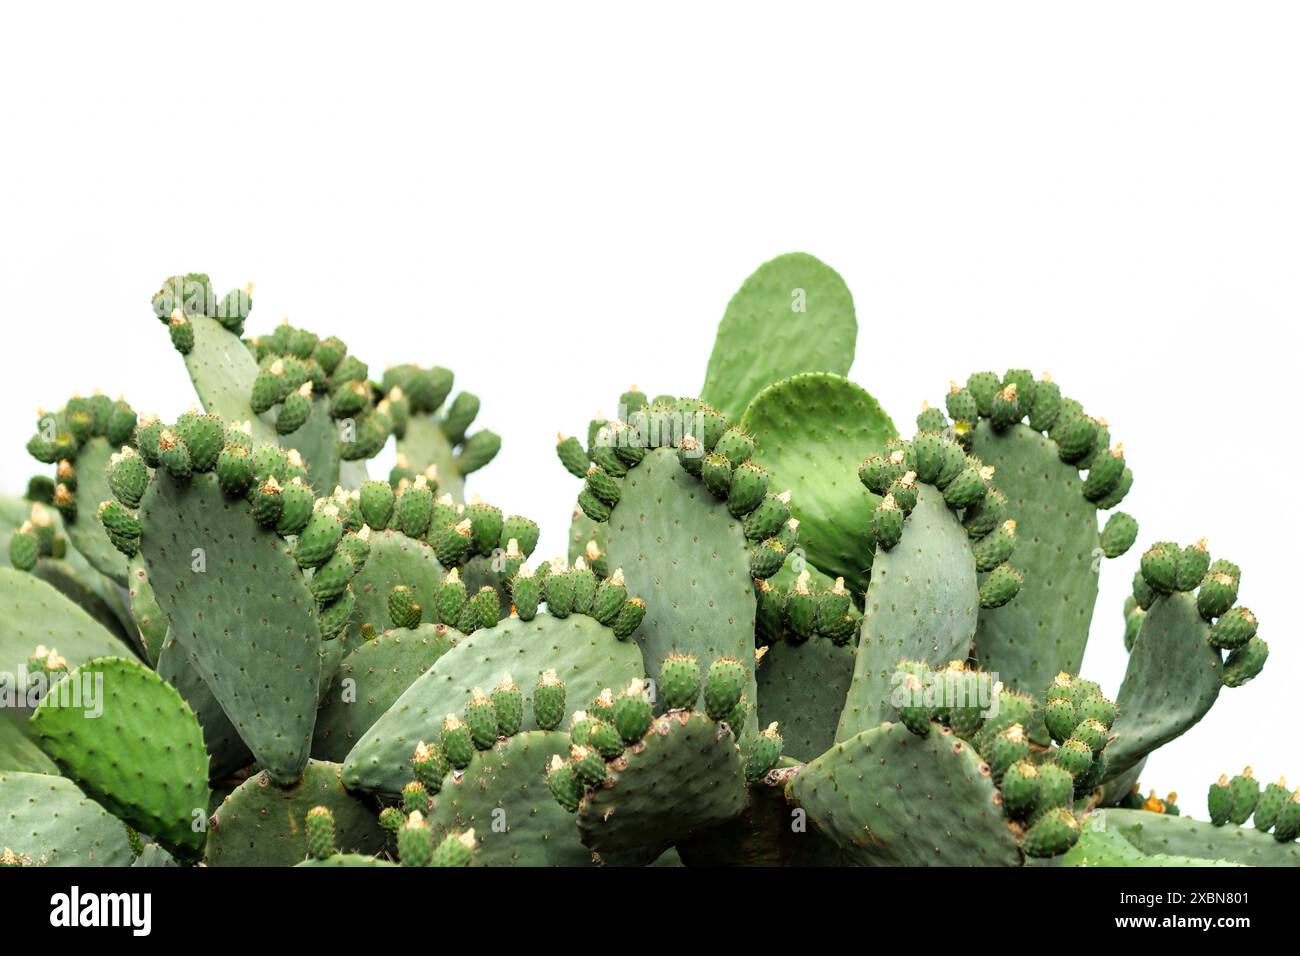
(320,833)
(887,523)
(1006,410)
(603,485)
(268,503)
(455,850)
(1160,567)
(983,387)
(1245,663)
(1075,436)
(332,577)
(414,508)
(319,536)
(486,523)
(123,527)
(334,617)
(961,406)
(1219,801)
(121,424)
(415,799)
(766,558)
(1019,788)
(593,507)
(564,784)
(460,415)
(931,419)
(526,593)
(1097,708)
(174,456)
(266,392)
(1075,756)
(904,492)
(996,547)
(629,618)
(403,609)
(377,502)
(1046,404)
(558,591)
(66,474)
(764,753)
(1119,534)
(584,584)
(548,701)
(1006,748)
(748,488)
(931,455)
(1193,561)
(1132,626)
(295,411)
(878,472)
(1055,786)
(632,712)
(24,548)
(486,606)
(734,445)
(1052,834)
(605,740)
(768,517)
(298,504)
(679,681)
(66,502)
(913,712)
(572,456)
(1244,792)
(1218,591)
(1287,827)
(968,488)
(1104,473)
(983,517)
(691,455)
(801,610)
(1001,585)
(716,474)
(609,598)
(452,599)
(415,842)
(481,718)
(451,543)
(1270,805)
(1093,733)
(832,605)
(458,741)
(1234,628)
(723,687)
(430,765)
(588,765)
(182,333)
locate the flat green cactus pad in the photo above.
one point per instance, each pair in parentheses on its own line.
(1182,836)
(370,680)
(803,687)
(1043,630)
(394,559)
(49,820)
(794,314)
(247,621)
(261,824)
(18,752)
(504,797)
(683,553)
(1097,847)
(226,749)
(154,856)
(771,832)
(347,859)
(683,777)
(583,653)
(33,613)
(317,441)
(922,605)
(223,370)
(86,533)
(135,746)
(423,445)
(1173,679)
(812,432)
(943,808)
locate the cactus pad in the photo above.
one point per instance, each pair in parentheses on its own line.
(812,431)
(262,824)
(34,613)
(139,752)
(803,687)
(794,314)
(943,809)
(48,819)
(683,777)
(1158,833)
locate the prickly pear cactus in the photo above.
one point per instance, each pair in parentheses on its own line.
(779,635)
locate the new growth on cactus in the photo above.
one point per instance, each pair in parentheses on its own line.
(772,607)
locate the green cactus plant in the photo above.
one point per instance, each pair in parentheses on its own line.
(780,635)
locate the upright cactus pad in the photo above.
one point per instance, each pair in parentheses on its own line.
(811,432)
(794,314)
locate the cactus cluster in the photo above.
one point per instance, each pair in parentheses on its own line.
(782,633)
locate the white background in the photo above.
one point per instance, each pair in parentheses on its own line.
(558,200)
